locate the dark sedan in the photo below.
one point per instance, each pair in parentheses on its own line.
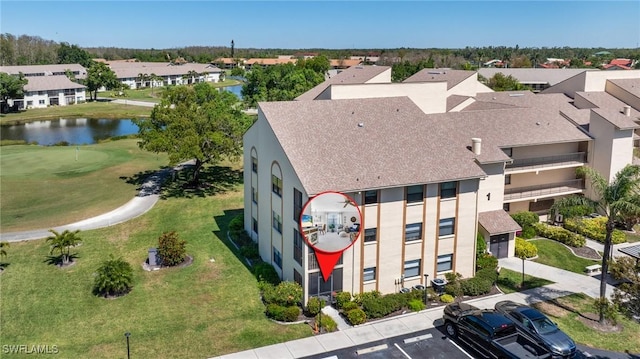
(538,326)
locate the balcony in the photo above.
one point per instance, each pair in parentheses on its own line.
(548,162)
(543,190)
(313,262)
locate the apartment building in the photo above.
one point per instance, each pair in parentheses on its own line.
(129,73)
(427,176)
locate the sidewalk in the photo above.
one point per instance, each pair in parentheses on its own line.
(565,283)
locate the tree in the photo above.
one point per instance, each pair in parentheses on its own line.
(500,82)
(11,86)
(72,54)
(114,277)
(617,200)
(627,295)
(100,75)
(191,76)
(3,249)
(63,242)
(171,249)
(195,123)
(282,82)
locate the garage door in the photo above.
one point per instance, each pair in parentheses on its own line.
(499,245)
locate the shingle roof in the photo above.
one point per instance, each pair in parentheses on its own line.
(46,83)
(633,251)
(44,69)
(617,118)
(497,222)
(603,99)
(452,77)
(630,85)
(455,100)
(352,75)
(550,76)
(395,146)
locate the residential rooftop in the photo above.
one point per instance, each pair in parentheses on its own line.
(54,82)
(451,77)
(352,75)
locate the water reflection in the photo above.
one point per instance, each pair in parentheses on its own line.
(74,131)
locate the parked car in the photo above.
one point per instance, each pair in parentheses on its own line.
(532,322)
(490,333)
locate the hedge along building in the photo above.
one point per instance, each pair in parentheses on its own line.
(426,181)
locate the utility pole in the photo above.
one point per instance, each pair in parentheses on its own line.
(232,48)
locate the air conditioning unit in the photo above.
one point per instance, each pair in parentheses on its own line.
(559,218)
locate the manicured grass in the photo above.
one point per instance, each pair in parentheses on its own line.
(556,255)
(207,309)
(45,186)
(625,340)
(81,110)
(154,94)
(510,281)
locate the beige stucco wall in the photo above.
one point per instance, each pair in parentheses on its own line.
(467,87)
(491,191)
(623,95)
(430,97)
(545,150)
(541,177)
(384,78)
(612,148)
(596,80)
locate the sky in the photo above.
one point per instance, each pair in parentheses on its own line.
(326,24)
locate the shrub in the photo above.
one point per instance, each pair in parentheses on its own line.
(237,224)
(594,228)
(250,251)
(275,311)
(525,249)
(476,286)
(265,272)
(361,297)
(356,316)
(528,232)
(526,218)
(328,323)
(291,313)
(114,277)
(416,305)
(314,305)
(376,307)
(486,261)
(481,245)
(171,249)
(446,298)
(285,294)
(560,234)
(342,298)
(348,306)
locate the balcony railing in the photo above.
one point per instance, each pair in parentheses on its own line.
(543,190)
(576,158)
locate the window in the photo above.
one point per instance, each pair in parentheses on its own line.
(447,227)
(369,274)
(297,204)
(297,277)
(370,234)
(254,164)
(508,151)
(254,224)
(370,197)
(276,185)
(507,179)
(448,189)
(506,207)
(29,103)
(297,246)
(41,102)
(277,257)
(412,268)
(41,93)
(413,232)
(415,193)
(445,263)
(254,195)
(277,222)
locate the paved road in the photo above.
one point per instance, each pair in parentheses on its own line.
(144,201)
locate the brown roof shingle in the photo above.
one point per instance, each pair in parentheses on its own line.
(497,222)
(46,83)
(352,75)
(451,77)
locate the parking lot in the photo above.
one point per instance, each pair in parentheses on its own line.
(427,344)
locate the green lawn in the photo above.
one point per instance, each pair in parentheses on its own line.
(45,186)
(556,255)
(565,311)
(81,110)
(153,94)
(510,281)
(207,309)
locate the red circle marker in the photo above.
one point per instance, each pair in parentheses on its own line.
(330,223)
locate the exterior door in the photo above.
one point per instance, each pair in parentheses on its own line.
(499,245)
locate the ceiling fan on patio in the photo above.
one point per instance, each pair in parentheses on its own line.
(347,202)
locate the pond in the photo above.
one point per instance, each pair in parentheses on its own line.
(74,131)
(236,90)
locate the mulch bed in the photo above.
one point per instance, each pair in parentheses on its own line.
(586,252)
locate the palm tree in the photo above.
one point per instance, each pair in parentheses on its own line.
(142,79)
(3,251)
(113,278)
(618,199)
(63,242)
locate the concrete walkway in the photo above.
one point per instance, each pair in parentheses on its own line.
(144,201)
(616,253)
(335,315)
(565,283)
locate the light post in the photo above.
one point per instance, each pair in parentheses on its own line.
(426,281)
(127,334)
(522,285)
